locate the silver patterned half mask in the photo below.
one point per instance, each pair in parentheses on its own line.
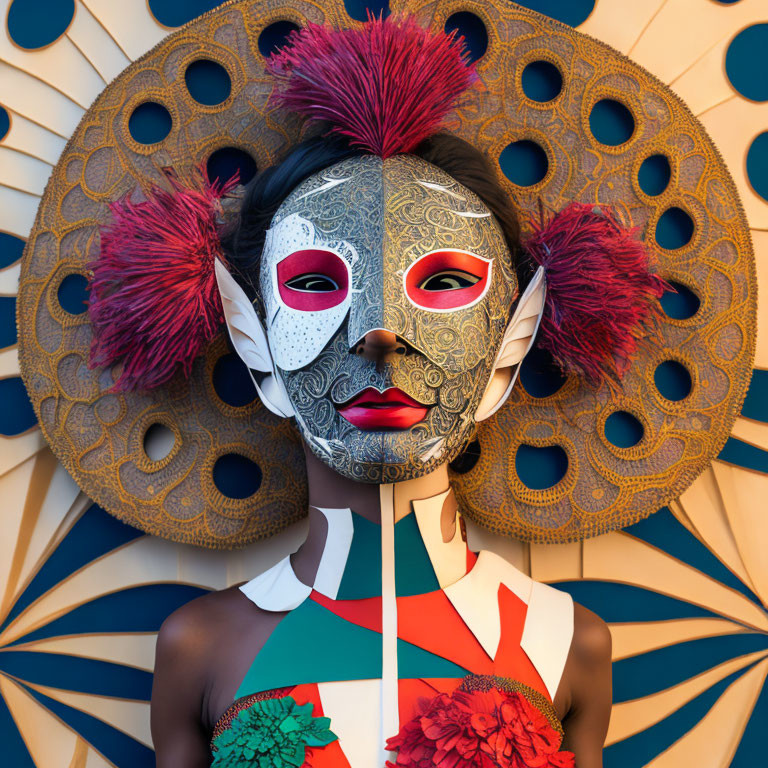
(386,288)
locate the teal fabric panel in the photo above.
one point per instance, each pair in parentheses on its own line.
(413,661)
(414,574)
(362,575)
(313,645)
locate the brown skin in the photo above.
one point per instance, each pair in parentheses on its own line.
(584,697)
(203,652)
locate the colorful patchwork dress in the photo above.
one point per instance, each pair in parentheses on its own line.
(476,653)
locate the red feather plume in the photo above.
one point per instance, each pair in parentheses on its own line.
(387,85)
(154,302)
(602,297)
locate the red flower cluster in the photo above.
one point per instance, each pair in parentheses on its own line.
(478,729)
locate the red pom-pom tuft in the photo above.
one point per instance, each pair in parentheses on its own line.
(154,300)
(602,297)
(387,85)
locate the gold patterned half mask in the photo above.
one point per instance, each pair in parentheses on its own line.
(394,250)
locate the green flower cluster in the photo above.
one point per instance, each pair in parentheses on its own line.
(273,733)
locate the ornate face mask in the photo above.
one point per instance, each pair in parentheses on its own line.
(394,246)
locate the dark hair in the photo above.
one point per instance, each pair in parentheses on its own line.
(266,192)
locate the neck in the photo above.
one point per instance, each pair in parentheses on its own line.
(330,490)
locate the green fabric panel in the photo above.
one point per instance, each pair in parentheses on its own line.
(313,645)
(414,574)
(362,574)
(413,661)
(413,569)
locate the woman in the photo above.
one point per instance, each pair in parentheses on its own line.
(394,305)
(377,293)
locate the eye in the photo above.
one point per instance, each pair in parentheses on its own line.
(449,280)
(443,281)
(312,282)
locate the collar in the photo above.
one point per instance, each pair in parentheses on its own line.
(350,566)
(548,628)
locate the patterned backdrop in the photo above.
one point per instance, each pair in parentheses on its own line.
(83,595)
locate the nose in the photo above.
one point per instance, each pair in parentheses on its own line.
(379,344)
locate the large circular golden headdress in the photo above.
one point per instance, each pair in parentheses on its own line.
(681,393)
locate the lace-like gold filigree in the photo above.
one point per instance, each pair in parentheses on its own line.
(99,435)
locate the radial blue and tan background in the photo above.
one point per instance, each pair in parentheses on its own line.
(82,595)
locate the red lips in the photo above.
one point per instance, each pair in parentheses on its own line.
(390,409)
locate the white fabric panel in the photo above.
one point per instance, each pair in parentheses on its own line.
(335,552)
(548,633)
(354,709)
(548,627)
(390,713)
(476,597)
(449,559)
(245,564)
(513,551)
(277,589)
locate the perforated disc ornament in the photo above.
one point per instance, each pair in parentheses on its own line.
(681,394)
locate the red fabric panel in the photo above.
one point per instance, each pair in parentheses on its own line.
(431,622)
(365,613)
(511,660)
(331,755)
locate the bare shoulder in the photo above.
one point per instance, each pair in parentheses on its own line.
(586,681)
(591,644)
(203,651)
(199,625)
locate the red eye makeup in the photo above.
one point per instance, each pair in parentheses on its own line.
(313,279)
(446,280)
